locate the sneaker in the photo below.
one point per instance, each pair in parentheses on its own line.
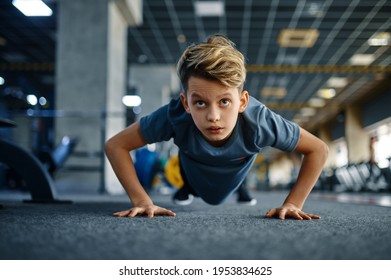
(250,201)
(245,198)
(182,197)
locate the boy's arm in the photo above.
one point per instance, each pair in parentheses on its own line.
(315,153)
(117,150)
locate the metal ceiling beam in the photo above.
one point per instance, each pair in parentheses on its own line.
(352,69)
(251,68)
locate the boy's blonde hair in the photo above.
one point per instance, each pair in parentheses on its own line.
(217,59)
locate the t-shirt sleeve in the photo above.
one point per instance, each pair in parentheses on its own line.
(276,131)
(157,127)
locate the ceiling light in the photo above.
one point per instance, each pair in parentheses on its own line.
(277,92)
(362,59)
(316,102)
(326,93)
(42,100)
(32,8)
(380,39)
(314,9)
(307,112)
(337,82)
(209,8)
(32,99)
(181,38)
(2,81)
(299,38)
(131,100)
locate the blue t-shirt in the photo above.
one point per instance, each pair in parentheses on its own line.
(215,172)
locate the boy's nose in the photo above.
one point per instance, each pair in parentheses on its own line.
(213,115)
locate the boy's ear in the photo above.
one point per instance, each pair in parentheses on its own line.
(184,102)
(243,101)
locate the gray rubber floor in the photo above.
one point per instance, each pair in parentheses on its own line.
(86,230)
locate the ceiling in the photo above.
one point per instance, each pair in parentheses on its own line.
(289,77)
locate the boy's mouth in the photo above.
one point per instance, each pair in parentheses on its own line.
(215,129)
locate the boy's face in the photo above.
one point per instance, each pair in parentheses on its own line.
(214,108)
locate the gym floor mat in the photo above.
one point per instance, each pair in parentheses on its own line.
(86,230)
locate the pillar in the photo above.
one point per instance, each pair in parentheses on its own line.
(91,76)
(156,94)
(325,134)
(356,137)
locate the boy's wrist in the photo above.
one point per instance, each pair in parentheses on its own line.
(143,202)
(291,205)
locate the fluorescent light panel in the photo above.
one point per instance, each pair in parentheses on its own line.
(326,93)
(307,112)
(277,92)
(380,39)
(337,82)
(316,102)
(209,8)
(32,8)
(131,100)
(298,38)
(362,59)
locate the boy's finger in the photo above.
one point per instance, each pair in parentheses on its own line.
(164,211)
(304,216)
(150,213)
(134,212)
(270,213)
(121,213)
(314,216)
(170,213)
(282,214)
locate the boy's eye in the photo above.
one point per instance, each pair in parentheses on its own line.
(225,102)
(199,103)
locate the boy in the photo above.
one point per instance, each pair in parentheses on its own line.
(219,129)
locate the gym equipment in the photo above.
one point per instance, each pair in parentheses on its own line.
(344,181)
(358,181)
(54,160)
(173,173)
(360,177)
(37,178)
(6,123)
(375,179)
(147,166)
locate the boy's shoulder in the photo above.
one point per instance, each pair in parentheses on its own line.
(254,109)
(255,104)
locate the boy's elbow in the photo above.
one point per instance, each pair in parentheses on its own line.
(109,146)
(324,151)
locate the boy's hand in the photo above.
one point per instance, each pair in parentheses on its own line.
(148,210)
(289,210)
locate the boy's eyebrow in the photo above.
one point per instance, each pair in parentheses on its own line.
(196,95)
